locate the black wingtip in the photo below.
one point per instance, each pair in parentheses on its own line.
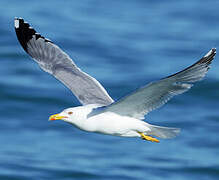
(208,58)
(25,32)
(212,51)
(205,60)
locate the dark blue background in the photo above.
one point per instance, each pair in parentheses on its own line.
(124,44)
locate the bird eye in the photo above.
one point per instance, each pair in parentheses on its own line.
(70,113)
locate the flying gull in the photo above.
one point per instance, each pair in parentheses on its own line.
(99,113)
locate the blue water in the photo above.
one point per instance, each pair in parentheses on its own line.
(124,44)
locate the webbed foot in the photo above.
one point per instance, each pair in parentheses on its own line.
(148,138)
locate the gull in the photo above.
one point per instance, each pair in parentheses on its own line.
(99,112)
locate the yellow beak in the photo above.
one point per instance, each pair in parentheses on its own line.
(56,117)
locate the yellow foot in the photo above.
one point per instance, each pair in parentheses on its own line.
(148,138)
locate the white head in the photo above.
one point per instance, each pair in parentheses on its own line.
(71,115)
(74,115)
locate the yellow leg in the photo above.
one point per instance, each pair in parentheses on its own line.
(148,138)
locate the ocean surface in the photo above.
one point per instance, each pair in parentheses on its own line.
(124,44)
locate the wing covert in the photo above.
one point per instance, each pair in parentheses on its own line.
(157,93)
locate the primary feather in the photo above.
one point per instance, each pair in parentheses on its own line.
(56,62)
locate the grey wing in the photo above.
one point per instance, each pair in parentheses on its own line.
(56,62)
(157,93)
